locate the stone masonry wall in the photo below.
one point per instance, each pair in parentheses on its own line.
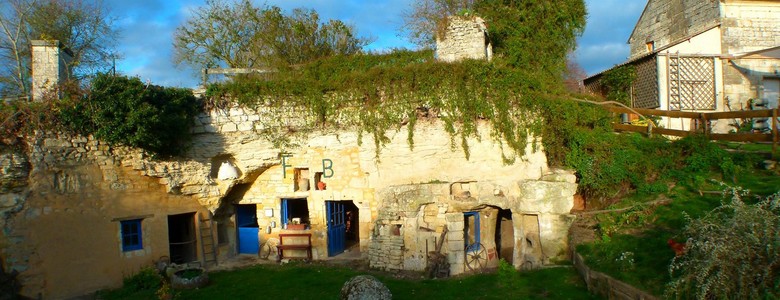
(61,202)
(465,38)
(81,185)
(749,26)
(666,21)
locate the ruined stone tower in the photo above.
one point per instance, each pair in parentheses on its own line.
(464,38)
(50,61)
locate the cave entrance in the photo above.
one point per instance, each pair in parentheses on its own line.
(505,235)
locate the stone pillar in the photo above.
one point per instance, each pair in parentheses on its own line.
(464,38)
(49,67)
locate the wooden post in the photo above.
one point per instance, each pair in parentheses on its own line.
(705,125)
(775,134)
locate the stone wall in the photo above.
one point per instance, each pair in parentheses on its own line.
(62,202)
(464,38)
(749,26)
(405,197)
(413,217)
(667,21)
(605,286)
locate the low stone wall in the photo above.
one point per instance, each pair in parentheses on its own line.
(603,285)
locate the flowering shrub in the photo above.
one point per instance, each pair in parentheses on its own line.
(733,252)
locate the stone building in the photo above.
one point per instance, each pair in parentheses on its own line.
(464,38)
(51,60)
(79,215)
(704,56)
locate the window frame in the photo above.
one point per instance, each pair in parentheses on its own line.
(284,211)
(126,237)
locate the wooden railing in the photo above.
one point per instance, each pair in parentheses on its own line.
(703,122)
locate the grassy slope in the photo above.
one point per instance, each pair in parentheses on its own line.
(645,231)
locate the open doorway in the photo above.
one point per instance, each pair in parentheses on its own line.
(505,235)
(246,221)
(181,238)
(343,230)
(351,220)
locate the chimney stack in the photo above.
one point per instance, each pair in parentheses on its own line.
(49,67)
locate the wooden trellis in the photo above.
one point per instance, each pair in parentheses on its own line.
(645,88)
(691,83)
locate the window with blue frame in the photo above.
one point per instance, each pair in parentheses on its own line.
(132,235)
(297,209)
(471,230)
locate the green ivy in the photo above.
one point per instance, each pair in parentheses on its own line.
(617,83)
(124,110)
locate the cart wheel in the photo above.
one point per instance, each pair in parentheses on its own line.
(476,257)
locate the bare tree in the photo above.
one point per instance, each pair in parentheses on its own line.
(425,18)
(237,34)
(574,75)
(84,26)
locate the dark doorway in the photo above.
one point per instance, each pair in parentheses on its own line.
(181,238)
(351,220)
(248,230)
(505,235)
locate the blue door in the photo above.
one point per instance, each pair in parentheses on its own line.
(246,221)
(337,230)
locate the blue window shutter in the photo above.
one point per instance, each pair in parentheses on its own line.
(132,235)
(284,211)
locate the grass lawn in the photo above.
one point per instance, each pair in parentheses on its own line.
(318,281)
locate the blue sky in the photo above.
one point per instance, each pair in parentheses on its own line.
(146,31)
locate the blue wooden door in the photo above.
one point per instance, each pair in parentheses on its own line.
(246,221)
(337,230)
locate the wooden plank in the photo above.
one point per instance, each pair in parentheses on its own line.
(654,112)
(674,132)
(762,113)
(236,71)
(627,127)
(775,129)
(742,137)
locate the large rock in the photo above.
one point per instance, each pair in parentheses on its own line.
(365,287)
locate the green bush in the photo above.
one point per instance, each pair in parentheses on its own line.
(732,252)
(148,279)
(124,110)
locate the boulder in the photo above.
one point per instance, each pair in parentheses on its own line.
(365,287)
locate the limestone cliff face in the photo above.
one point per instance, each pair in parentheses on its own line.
(63,196)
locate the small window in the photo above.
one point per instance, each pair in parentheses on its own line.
(650,46)
(131,235)
(295,211)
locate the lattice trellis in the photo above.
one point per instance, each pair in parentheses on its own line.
(645,87)
(691,83)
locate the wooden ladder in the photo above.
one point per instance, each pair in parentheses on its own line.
(207,245)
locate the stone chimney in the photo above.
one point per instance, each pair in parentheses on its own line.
(49,67)
(465,38)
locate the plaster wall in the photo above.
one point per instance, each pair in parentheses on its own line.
(65,237)
(706,44)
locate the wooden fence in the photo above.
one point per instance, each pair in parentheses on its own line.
(703,126)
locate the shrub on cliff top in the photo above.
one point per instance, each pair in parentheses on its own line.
(124,110)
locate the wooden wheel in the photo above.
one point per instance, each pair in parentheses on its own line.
(476,257)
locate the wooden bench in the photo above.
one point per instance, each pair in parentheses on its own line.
(282,246)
